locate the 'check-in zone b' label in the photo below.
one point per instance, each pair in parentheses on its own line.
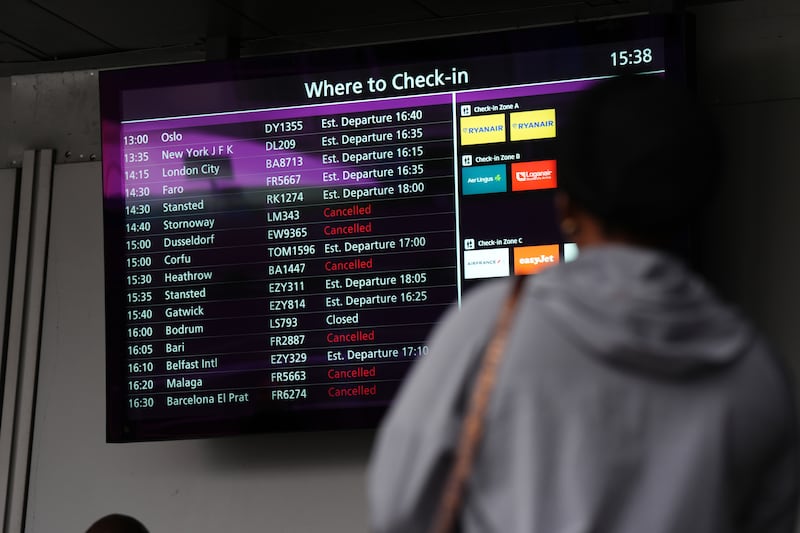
(532,175)
(484,179)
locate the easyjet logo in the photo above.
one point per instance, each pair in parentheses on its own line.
(534,259)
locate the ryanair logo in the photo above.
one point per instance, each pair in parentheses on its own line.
(483,129)
(540,124)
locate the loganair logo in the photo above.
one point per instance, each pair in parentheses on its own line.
(483,129)
(535,175)
(539,124)
(532,175)
(483,179)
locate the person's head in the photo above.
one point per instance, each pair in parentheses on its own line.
(117,523)
(642,163)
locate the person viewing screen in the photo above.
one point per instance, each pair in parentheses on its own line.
(631,397)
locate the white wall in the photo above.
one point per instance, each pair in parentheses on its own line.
(749,55)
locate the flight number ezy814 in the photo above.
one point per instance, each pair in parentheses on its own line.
(291,304)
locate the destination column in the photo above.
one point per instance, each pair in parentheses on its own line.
(194,326)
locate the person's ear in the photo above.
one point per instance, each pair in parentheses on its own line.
(567,219)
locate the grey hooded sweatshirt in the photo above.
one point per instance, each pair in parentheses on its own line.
(630,400)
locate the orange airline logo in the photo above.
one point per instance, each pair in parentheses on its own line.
(532,175)
(534,259)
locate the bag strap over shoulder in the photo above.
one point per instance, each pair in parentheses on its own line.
(473,423)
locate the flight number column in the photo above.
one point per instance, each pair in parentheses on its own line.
(289,184)
(364,265)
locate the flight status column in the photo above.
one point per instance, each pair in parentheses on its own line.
(281,260)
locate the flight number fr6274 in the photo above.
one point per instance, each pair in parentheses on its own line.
(289,394)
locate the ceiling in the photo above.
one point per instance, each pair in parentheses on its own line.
(57,35)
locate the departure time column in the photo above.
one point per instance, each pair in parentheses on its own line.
(389,236)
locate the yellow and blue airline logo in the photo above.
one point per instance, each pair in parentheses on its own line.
(483,129)
(540,124)
(483,179)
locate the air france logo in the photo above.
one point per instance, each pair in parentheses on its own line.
(533,175)
(484,179)
(540,124)
(491,263)
(483,129)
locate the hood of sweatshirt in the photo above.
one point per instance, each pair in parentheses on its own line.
(642,309)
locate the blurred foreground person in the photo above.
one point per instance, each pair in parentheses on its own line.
(117,523)
(630,398)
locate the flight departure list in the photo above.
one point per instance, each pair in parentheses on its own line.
(282,267)
(313,248)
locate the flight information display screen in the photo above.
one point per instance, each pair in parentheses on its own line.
(282,232)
